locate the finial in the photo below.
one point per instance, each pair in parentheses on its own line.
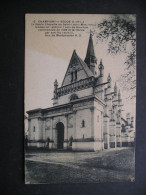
(74,51)
(101,65)
(91,32)
(56,83)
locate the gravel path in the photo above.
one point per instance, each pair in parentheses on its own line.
(81,167)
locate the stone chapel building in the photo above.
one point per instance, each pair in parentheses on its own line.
(86,113)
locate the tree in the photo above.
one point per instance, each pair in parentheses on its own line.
(120,33)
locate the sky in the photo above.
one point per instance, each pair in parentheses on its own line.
(47,58)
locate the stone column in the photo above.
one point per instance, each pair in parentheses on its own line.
(101,126)
(44,129)
(44,132)
(74,112)
(102,130)
(118,135)
(115,133)
(127,137)
(29,129)
(112,134)
(106,133)
(92,122)
(51,144)
(120,138)
(65,145)
(51,129)
(128,140)
(74,143)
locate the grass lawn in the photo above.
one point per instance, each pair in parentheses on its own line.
(80,167)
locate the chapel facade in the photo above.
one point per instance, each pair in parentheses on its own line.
(86,114)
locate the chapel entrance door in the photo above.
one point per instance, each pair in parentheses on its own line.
(60,135)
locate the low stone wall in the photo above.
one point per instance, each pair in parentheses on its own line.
(37,144)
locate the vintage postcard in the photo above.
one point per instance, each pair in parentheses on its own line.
(80,94)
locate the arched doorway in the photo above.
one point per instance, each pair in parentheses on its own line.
(60,135)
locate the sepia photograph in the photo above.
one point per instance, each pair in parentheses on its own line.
(80,98)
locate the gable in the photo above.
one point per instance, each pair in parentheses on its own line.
(76,65)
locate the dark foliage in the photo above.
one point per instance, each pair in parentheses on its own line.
(120,33)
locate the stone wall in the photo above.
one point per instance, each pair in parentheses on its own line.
(83,132)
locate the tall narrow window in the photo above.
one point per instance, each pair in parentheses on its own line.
(71,76)
(34,129)
(76,75)
(83,123)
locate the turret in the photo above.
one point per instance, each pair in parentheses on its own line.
(119,95)
(101,72)
(112,114)
(119,116)
(55,97)
(109,81)
(101,69)
(128,118)
(132,121)
(90,58)
(55,89)
(115,89)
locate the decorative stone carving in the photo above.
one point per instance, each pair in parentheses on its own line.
(82,84)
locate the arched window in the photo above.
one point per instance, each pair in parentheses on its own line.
(73,97)
(83,123)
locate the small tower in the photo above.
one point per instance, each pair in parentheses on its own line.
(55,97)
(115,89)
(101,72)
(90,58)
(132,121)
(128,118)
(101,69)
(119,96)
(109,81)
